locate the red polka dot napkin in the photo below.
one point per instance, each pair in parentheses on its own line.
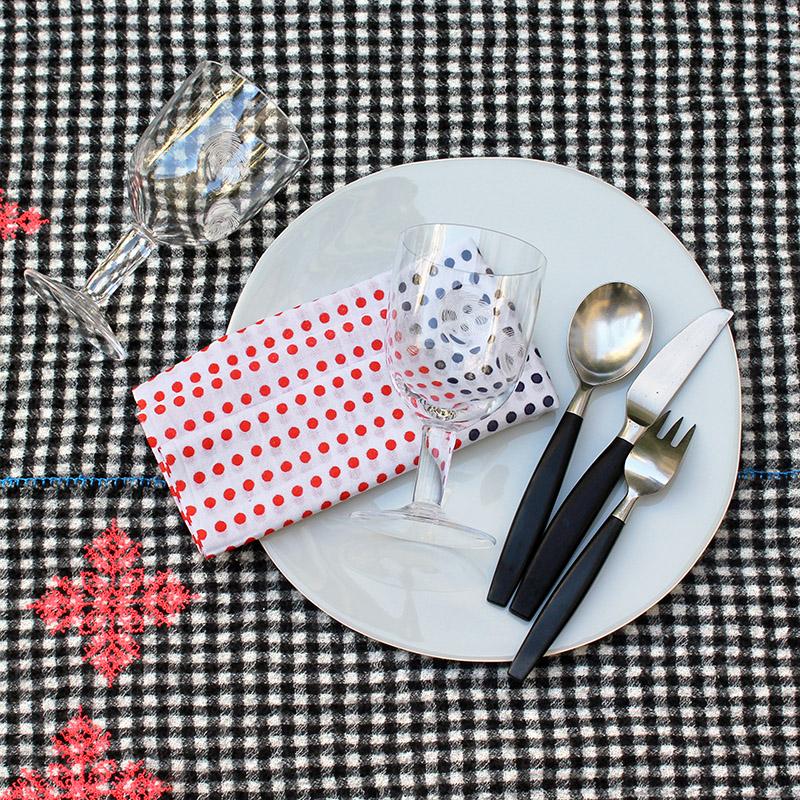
(291,415)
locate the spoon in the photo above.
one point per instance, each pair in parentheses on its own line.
(608,337)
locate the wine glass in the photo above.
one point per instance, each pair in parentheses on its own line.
(462,306)
(209,161)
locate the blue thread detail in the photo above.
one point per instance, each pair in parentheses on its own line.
(155,482)
(82,481)
(750,472)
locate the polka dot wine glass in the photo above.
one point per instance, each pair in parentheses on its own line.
(209,161)
(461,312)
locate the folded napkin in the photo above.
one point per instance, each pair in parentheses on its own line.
(293,414)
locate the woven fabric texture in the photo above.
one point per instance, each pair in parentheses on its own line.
(691,108)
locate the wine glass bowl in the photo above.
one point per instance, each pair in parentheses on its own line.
(456,344)
(461,310)
(218,151)
(209,161)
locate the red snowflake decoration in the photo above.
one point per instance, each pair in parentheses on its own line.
(84,772)
(113,603)
(12,220)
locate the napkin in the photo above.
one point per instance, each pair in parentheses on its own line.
(293,414)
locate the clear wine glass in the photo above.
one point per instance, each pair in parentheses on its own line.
(215,154)
(461,312)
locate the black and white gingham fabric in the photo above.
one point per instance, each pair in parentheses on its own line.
(690,108)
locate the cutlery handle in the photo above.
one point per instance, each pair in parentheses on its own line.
(565,598)
(534,509)
(568,527)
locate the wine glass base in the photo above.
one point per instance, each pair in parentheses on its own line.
(417,523)
(82,312)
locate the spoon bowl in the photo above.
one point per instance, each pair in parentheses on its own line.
(609,333)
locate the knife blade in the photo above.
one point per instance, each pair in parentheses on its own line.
(658,382)
(647,398)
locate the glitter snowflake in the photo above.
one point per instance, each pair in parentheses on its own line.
(84,772)
(12,220)
(112,603)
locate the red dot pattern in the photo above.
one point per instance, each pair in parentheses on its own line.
(295,413)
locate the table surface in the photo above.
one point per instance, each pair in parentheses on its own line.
(251,691)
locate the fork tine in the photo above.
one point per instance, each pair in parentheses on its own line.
(659,423)
(670,435)
(684,442)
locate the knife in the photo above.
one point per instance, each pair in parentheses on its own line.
(647,398)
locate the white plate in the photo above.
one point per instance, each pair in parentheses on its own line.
(432,601)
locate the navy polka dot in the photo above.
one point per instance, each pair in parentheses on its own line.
(466,255)
(482,389)
(498,385)
(406,306)
(536,377)
(548,401)
(511,417)
(402,286)
(474,277)
(466,391)
(440,293)
(440,364)
(474,434)
(458,358)
(452,380)
(536,350)
(530,408)
(457,285)
(433,323)
(520,387)
(475,350)
(492,426)
(430,344)
(449,262)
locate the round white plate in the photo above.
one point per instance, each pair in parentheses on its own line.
(432,601)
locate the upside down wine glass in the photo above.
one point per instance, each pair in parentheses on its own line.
(462,307)
(209,161)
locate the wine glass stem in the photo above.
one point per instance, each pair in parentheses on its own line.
(133,247)
(434,464)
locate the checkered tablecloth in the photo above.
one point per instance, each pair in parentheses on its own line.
(251,691)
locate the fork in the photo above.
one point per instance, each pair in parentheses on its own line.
(650,466)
